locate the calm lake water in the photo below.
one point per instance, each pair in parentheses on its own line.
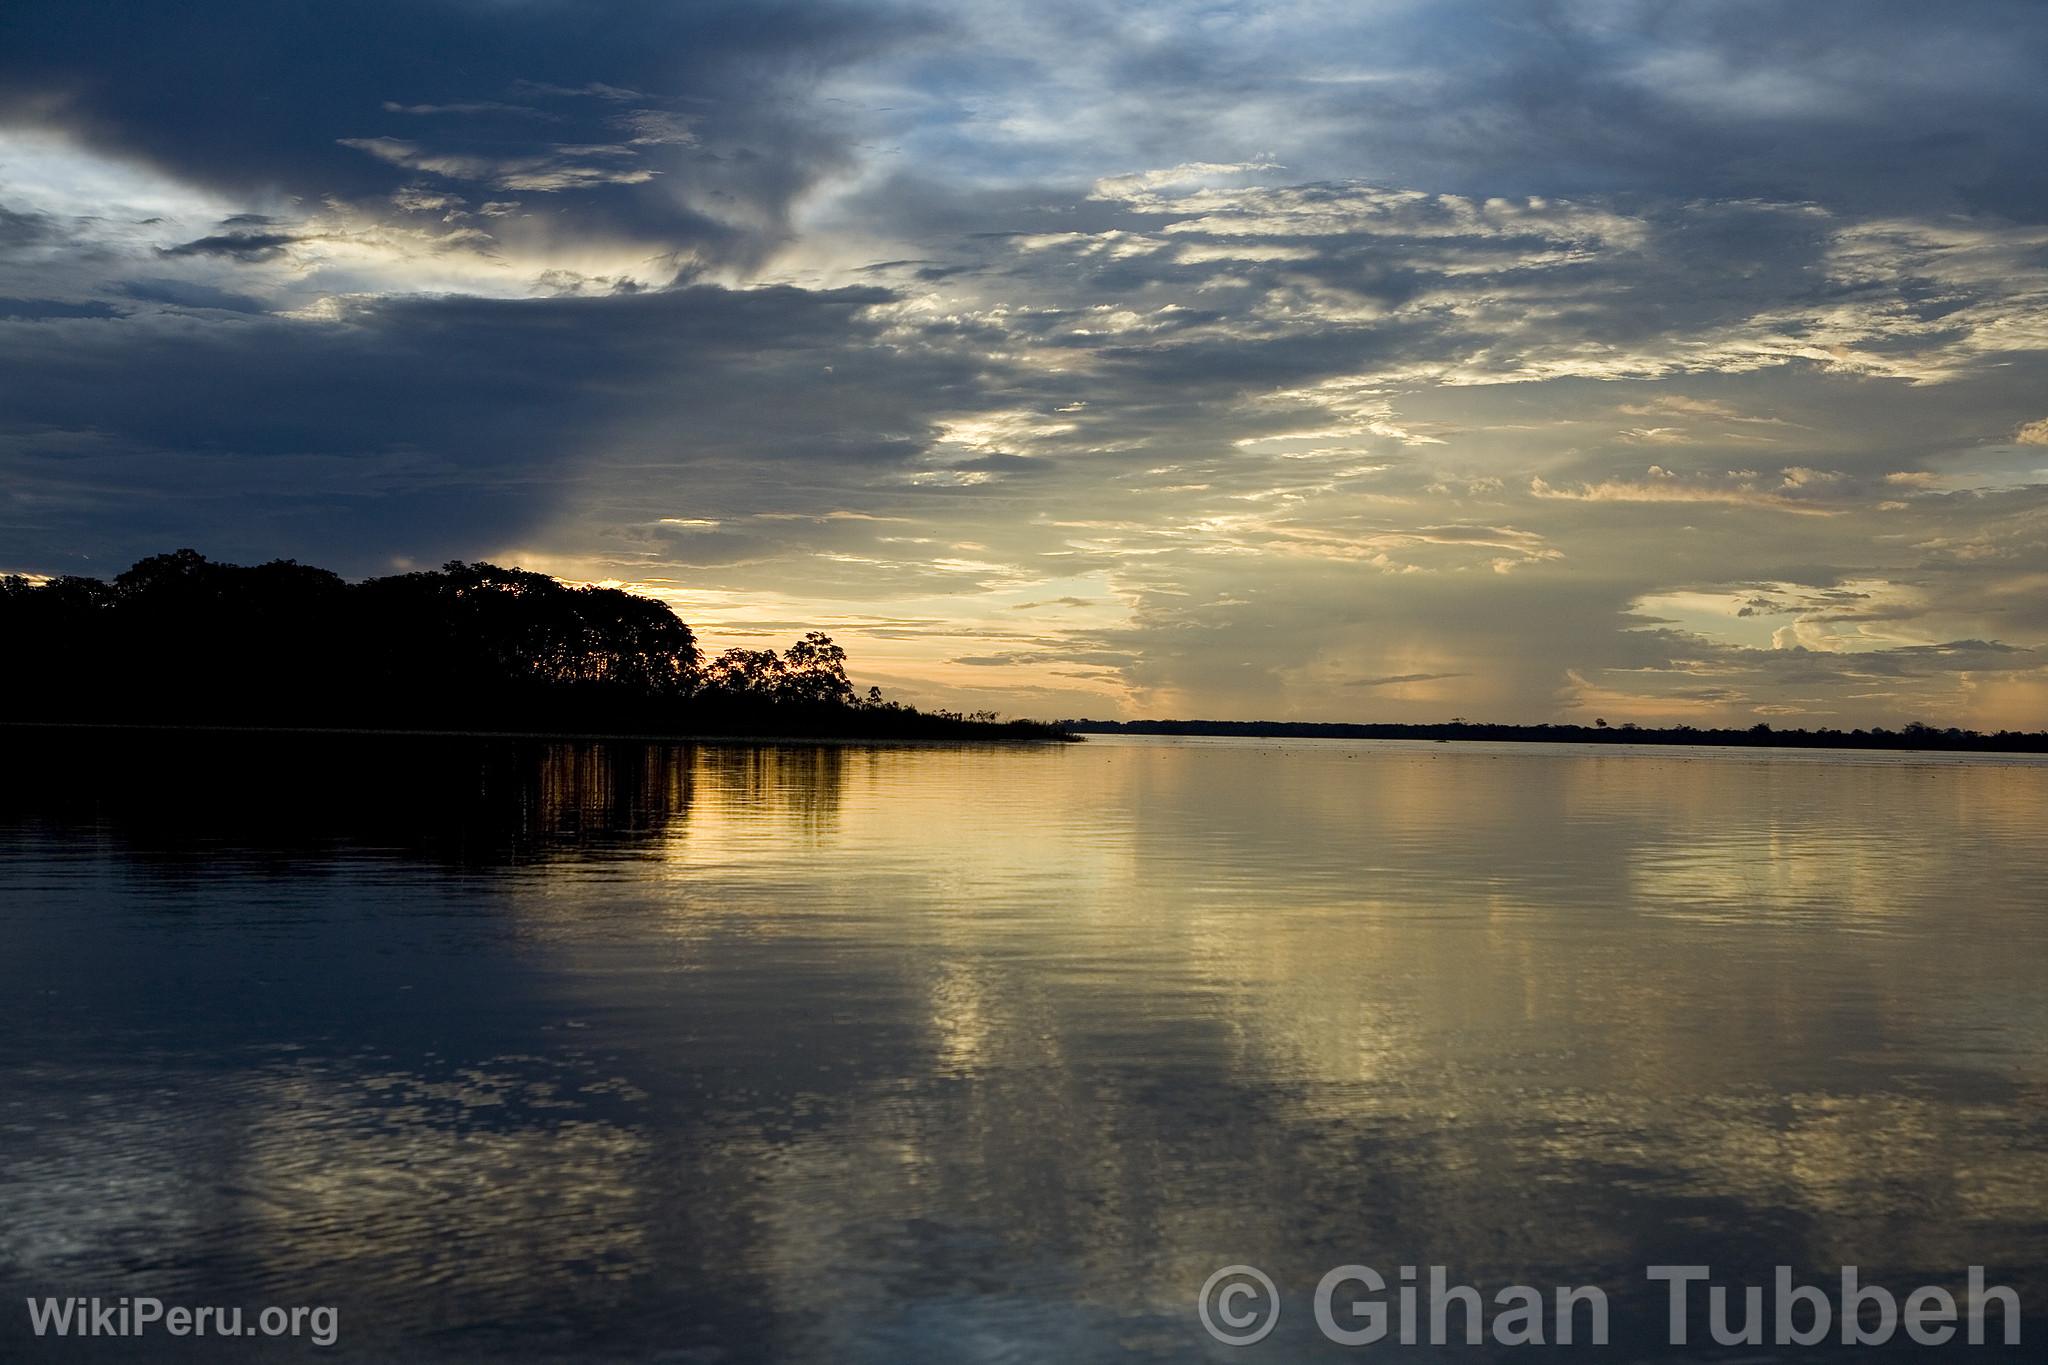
(591,1052)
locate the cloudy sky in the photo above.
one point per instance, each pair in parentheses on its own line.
(1371,359)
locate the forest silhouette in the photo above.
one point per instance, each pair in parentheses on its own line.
(1762,735)
(179,639)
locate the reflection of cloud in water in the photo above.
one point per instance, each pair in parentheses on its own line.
(488,1183)
(928,1053)
(1483,1018)
(460,1197)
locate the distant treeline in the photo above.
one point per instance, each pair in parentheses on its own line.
(181,640)
(1914,736)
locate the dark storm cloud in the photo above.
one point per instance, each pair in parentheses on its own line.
(1859,104)
(238,246)
(421,426)
(670,123)
(29,310)
(190,294)
(18,230)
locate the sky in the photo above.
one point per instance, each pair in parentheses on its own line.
(1365,360)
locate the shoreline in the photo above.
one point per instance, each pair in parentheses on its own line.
(1781,741)
(2021,744)
(557,736)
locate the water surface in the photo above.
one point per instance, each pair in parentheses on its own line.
(947,1054)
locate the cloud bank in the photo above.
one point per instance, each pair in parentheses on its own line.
(1303,361)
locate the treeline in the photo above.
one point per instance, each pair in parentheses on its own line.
(181,640)
(1913,736)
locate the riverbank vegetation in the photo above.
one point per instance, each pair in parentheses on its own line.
(181,640)
(1916,735)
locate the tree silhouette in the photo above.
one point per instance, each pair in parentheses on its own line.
(743,673)
(180,639)
(814,673)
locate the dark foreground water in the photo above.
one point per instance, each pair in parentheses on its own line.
(591,1052)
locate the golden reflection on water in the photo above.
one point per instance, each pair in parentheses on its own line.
(867,1049)
(1549,965)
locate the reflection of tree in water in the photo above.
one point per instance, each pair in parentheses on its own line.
(799,785)
(180,801)
(595,795)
